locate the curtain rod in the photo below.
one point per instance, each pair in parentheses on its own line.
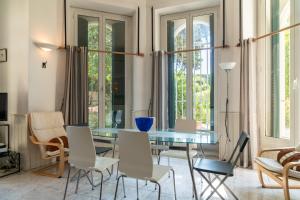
(112,52)
(275,32)
(200,49)
(118,52)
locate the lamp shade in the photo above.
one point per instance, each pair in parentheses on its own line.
(46,46)
(227,65)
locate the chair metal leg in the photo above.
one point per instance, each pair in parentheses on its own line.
(86,174)
(108,171)
(211,185)
(228,189)
(117,171)
(137,189)
(193,192)
(123,187)
(191,170)
(113,155)
(202,151)
(174,183)
(158,159)
(159,188)
(77,184)
(67,183)
(92,180)
(169,166)
(74,176)
(116,192)
(203,191)
(101,185)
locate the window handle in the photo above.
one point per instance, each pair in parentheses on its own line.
(295,84)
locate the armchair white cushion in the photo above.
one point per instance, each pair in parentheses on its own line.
(47,125)
(43,128)
(275,166)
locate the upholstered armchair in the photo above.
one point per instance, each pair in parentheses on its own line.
(46,130)
(276,171)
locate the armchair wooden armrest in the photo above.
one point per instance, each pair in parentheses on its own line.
(273,150)
(289,166)
(34,141)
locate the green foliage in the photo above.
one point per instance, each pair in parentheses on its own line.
(201,82)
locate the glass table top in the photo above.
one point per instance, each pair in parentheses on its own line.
(198,137)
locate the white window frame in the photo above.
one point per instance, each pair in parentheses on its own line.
(264,67)
(128,60)
(189,26)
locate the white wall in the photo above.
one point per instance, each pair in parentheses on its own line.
(14,37)
(30,87)
(45,85)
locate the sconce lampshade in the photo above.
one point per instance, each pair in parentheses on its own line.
(46,46)
(227,65)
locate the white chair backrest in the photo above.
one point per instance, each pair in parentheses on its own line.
(82,152)
(135,155)
(47,125)
(185,125)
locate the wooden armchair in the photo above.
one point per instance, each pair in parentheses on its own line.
(43,128)
(277,172)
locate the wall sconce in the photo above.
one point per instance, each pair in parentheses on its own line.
(227,66)
(47,48)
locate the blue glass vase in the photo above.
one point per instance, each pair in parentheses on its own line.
(144,124)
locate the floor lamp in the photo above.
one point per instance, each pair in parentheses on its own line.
(227,66)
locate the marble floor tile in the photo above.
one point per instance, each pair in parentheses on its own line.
(29,186)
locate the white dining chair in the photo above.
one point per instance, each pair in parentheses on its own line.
(82,156)
(155,145)
(136,161)
(182,126)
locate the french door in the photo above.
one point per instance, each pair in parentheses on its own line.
(280,73)
(191,82)
(108,74)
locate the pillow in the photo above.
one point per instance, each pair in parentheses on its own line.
(288,155)
(60,140)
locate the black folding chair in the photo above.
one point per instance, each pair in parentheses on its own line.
(221,168)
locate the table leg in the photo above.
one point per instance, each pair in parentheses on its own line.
(191,170)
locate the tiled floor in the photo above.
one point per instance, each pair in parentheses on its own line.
(28,186)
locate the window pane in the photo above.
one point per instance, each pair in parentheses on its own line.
(114,74)
(203,72)
(280,70)
(88,36)
(177,40)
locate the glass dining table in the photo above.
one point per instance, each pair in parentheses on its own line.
(166,136)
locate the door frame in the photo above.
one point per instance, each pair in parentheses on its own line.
(102,16)
(189,26)
(263,56)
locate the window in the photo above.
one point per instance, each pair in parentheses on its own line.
(88,35)
(106,72)
(190,75)
(280,63)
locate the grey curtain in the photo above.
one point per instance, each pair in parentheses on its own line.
(248,101)
(158,107)
(75,102)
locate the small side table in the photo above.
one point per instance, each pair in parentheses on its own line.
(9,163)
(8,133)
